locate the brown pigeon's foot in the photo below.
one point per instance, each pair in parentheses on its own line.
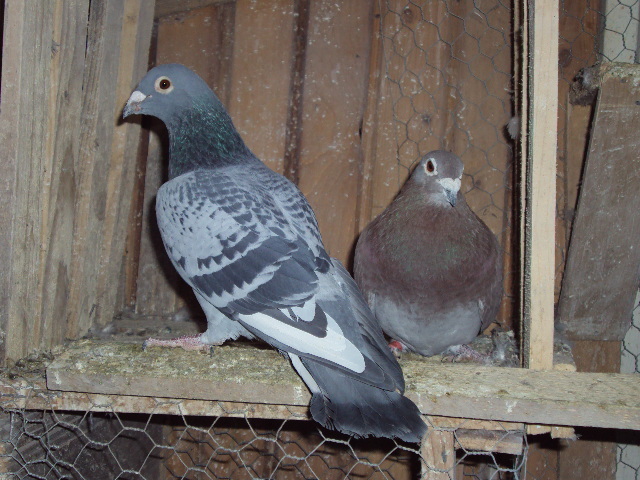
(189,342)
(397,347)
(464,353)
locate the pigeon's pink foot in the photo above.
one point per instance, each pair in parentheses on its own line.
(463,353)
(397,347)
(189,342)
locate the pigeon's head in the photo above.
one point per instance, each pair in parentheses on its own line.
(166,91)
(439,174)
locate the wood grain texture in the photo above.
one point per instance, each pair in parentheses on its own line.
(172,7)
(334,100)
(601,276)
(370,125)
(117,46)
(70,193)
(203,40)
(43,61)
(236,374)
(25,102)
(541,192)
(135,38)
(579,33)
(261,76)
(438,455)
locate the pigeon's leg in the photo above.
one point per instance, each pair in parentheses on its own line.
(220,328)
(189,342)
(464,353)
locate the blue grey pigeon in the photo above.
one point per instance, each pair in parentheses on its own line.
(430,269)
(247,242)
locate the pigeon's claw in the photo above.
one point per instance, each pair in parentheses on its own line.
(189,342)
(397,347)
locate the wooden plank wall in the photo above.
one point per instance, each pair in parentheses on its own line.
(66,184)
(344,99)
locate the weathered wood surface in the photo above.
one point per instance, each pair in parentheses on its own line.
(68,187)
(43,61)
(540,190)
(578,49)
(247,374)
(171,7)
(334,99)
(601,277)
(260,73)
(438,455)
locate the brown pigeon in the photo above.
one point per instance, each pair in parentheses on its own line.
(430,269)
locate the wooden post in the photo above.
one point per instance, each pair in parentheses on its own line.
(539,188)
(438,455)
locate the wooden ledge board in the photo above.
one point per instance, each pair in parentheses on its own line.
(247,374)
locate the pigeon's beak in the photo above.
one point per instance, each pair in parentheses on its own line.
(134,104)
(450,187)
(452,196)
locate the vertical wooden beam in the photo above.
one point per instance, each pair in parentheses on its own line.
(540,184)
(117,53)
(438,455)
(371,125)
(135,37)
(43,62)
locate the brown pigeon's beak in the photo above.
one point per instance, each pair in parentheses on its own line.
(134,104)
(452,196)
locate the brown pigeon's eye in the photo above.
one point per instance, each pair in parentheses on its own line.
(163,85)
(430,167)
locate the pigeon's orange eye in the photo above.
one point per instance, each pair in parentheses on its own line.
(430,167)
(163,85)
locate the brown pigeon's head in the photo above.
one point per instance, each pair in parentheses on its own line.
(439,175)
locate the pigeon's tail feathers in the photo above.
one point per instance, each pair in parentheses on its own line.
(344,404)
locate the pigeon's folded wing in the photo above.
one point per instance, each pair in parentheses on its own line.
(231,247)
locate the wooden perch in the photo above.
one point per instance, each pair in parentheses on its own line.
(247,374)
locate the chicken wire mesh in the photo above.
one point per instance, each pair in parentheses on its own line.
(449,74)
